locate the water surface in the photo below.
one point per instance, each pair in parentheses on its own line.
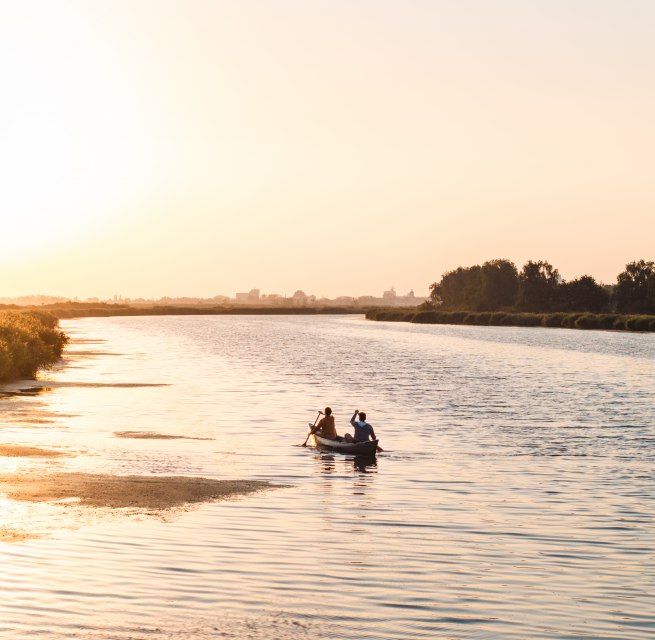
(515,498)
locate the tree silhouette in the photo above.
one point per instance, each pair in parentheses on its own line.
(635,288)
(538,282)
(581,294)
(499,283)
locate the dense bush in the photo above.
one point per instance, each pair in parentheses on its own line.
(29,341)
(638,323)
(391,315)
(586,321)
(497,318)
(428,317)
(525,319)
(481,318)
(606,320)
(553,319)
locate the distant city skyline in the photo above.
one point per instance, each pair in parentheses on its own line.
(252,297)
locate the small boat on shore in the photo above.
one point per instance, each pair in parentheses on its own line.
(356,448)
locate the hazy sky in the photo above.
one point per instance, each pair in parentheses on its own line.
(196,147)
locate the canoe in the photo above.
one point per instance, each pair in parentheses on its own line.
(356,448)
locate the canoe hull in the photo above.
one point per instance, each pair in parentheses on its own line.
(354,448)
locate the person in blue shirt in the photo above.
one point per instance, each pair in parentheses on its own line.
(363,430)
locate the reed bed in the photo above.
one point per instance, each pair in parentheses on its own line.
(29,341)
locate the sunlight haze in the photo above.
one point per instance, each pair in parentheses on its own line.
(205,147)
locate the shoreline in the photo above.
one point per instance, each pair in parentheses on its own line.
(34,480)
(634,323)
(66,311)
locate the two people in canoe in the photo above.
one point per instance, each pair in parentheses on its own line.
(327,429)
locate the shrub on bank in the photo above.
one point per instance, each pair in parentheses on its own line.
(497,318)
(454,317)
(480,318)
(638,323)
(553,319)
(586,321)
(428,317)
(606,320)
(619,323)
(525,319)
(390,315)
(29,341)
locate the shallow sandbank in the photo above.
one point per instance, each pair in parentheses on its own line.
(7,534)
(19,451)
(153,435)
(149,493)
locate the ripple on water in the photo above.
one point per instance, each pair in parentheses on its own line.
(514,498)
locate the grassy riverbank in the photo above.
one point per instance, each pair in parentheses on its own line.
(618,322)
(29,341)
(95,310)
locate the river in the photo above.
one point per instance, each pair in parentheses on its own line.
(515,497)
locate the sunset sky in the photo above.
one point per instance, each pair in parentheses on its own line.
(152,148)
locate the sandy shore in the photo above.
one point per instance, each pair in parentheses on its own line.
(147,493)
(19,451)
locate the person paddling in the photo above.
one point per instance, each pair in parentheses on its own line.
(325,427)
(363,430)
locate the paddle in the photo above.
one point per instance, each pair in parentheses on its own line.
(304,444)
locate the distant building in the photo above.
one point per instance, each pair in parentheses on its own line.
(392,299)
(271,299)
(389,297)
(252,297)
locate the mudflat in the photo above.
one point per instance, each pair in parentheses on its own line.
(147,493)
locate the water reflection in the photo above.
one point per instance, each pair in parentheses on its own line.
(361,463)
(365,464)
(327,463)
(468,513)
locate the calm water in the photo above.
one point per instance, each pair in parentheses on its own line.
(515,499)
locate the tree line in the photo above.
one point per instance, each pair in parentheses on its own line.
(498,285)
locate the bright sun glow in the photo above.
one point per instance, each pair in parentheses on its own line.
(225,144)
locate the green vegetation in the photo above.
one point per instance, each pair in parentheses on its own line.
(614,321)
(498,285)
(498,294)
(29,341)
